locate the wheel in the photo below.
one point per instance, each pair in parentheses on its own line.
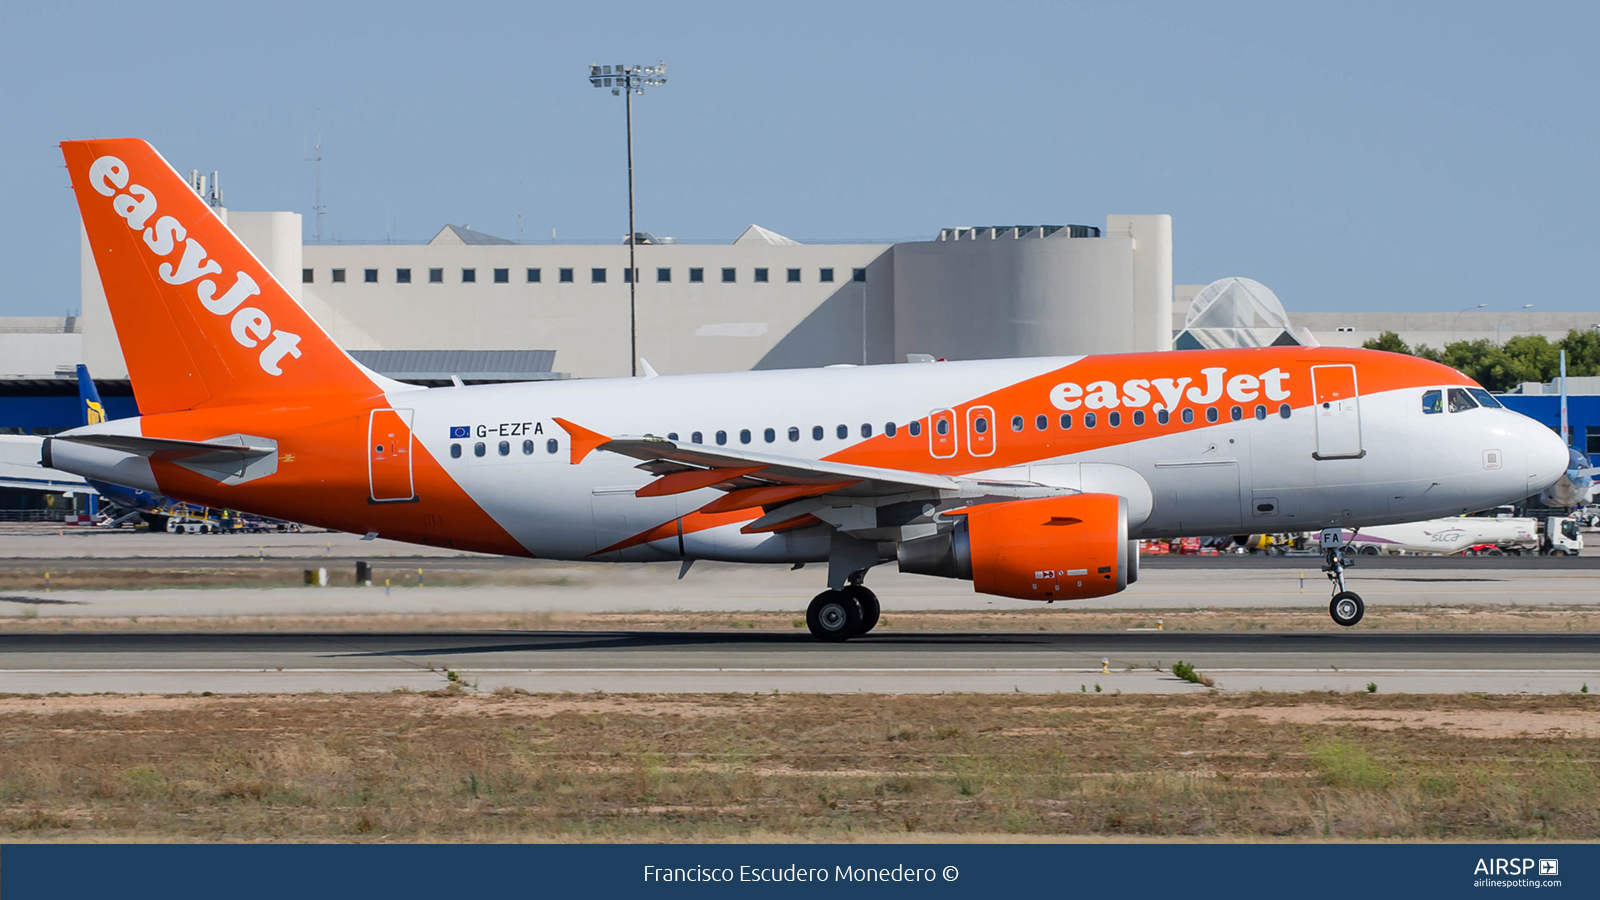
(1368,550)
(1274,550)
(869,605)
(833,616)
(1558,552)
(1347,608)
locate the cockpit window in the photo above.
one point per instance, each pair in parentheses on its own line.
(1484,397)
(1461,401)
(1433,402)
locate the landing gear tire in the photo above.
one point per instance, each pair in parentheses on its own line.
(1347,608)
(833,616)
(869,605)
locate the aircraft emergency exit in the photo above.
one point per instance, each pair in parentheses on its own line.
(1033,478)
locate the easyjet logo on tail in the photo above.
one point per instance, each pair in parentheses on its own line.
(1136,392)
(250,326)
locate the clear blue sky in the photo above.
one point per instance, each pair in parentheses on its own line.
(1390,156)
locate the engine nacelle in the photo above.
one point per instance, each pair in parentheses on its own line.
(1053,548)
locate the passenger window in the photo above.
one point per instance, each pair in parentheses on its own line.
(1211,414)
(1236,414)
(455,451)
(1088,420)
(866,430)
(1261,413)
(942,426)
(816,432)
(1284,410)
(1485,398)
(843,431)
(1138,417)
(697,438)
(552,445)
(1066,421)
(1114,419)
(478,449)
(1163,417)
(1432,402)
(1016,423)
(1461,401)
(672,435)
(769,435)
(527,448)
(1187,416)
(1041,423)
(915,428)
(981,425)
(890,429)
(722,438)
(744,435)
(505,448)
(794,433)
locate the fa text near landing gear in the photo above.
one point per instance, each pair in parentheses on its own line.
(1346,608)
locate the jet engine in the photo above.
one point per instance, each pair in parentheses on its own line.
(1054,548)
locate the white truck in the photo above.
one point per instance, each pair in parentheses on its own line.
(1547,536)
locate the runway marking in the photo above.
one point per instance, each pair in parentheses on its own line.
(832,670)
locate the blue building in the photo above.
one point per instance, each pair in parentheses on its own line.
(1583,417)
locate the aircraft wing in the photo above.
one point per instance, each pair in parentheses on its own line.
(775,482)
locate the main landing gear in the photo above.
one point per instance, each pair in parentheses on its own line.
(840,615)
(1346,607)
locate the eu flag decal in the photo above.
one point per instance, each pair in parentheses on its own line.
(460,431)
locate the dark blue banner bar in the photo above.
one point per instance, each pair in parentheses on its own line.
(356,872)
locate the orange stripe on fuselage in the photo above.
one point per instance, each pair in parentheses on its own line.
(693,522)
(322,476)
(1128,382)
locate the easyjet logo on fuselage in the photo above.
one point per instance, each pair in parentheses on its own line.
(250,326)
(1214,382)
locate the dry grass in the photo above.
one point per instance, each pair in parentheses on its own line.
(804,767)
(25,619)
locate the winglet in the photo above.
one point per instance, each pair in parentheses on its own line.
(584,441)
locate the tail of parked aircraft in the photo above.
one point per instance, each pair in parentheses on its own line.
(90,409)
(200,319)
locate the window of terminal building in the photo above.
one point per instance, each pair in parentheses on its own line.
(370,276)
(533,276)
(1591,441)
(566,276)
(761,276)
(402,276)
(697,276)
(338,276)
(794,276)
(858,274)
(597,276)
(663,274)
(728,275)
(436,276)
(469,276)
(825,275)
(307,276)
(627,275)
(502,276)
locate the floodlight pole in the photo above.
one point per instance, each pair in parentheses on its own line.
(633,271)
(629,80)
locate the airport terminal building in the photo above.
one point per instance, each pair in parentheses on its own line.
(472,306)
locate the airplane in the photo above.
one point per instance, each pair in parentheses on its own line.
(134,502)
(19,454)
(1032,478)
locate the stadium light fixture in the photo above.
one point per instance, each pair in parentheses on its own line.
(627,81)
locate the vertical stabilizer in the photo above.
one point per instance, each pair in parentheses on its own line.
(201,321)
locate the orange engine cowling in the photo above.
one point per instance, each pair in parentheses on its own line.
(1052,548)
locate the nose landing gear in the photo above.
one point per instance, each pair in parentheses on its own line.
(1346,608)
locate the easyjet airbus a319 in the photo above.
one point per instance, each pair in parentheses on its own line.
(1033,478)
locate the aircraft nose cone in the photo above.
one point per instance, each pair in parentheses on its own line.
(1547,458)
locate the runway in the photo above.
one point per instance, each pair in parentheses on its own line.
(1139,662)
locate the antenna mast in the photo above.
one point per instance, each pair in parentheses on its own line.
(317,205)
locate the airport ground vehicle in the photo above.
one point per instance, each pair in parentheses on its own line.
(1033,478)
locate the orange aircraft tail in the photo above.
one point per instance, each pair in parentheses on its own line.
(201,320)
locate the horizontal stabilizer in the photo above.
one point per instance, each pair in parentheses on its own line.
(166,448)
